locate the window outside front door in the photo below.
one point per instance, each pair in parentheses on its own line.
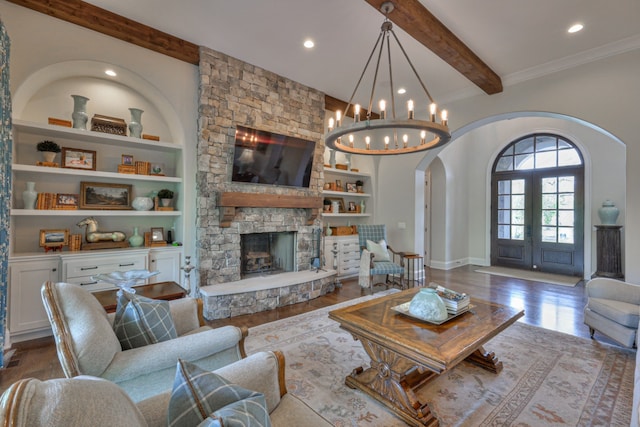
(538,206)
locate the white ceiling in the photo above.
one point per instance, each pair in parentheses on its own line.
(518,39)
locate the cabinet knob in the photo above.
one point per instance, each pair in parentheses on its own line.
(54,269)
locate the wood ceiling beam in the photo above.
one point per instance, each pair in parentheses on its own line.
(419,23)
(111,24)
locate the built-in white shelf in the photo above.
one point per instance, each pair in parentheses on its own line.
(88,212)
(347,173)
(30,169)
(345,194)
(345,215)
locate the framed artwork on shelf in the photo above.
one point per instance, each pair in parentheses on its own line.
(66,201)
(351,187)
(127,159)
(339,185)
(157,234)
(74,158)
(340,201)
(100,195)
(157,169)
(54,238)
(352,207)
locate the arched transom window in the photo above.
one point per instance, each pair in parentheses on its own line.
(538,151)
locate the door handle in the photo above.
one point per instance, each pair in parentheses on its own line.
(528,231)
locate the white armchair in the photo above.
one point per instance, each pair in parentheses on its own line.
(87,344)
(613,309)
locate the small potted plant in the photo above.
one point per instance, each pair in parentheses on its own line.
(165,195)
(48,150)
(327,205)
(359,186)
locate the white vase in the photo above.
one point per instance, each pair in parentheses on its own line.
(135,125)
(48,156)
(30,195)
(166,202)
(79,114)
(142,203)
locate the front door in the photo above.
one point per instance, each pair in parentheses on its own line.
(538,213)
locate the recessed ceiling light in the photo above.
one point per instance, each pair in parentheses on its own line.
(110,73)
(309,43)
(402,91)
(575,28)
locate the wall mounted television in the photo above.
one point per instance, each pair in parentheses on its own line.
(268,158)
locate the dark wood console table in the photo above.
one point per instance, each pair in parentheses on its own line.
(163,290)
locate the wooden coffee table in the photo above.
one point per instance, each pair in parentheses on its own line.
(406,353)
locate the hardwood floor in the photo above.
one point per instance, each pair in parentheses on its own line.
(548,306)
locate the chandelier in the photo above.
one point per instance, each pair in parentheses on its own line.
(400,135)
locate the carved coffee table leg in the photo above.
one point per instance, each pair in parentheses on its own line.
(392,380)
(486,360)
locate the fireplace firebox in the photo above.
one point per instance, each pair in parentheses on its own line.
(267,253)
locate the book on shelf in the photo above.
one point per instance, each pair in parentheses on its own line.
(456,302)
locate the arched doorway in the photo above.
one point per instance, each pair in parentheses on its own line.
(537,205)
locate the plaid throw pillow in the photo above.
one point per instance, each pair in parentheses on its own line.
(140,321)
(203,398)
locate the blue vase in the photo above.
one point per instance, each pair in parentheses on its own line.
(428,305)
(135,125)
(136,239)
(608,213)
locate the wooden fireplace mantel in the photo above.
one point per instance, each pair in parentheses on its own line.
(229,201)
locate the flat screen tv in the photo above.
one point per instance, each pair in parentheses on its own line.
(268,158)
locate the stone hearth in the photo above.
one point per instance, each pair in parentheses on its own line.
(265,293)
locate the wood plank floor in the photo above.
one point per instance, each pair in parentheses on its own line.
(548,306)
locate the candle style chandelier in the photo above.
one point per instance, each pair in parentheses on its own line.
(400,135)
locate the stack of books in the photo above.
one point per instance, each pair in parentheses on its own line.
(455,302)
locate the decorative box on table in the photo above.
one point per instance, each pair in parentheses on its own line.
(106,124)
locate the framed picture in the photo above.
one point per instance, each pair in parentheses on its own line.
(351,187)
(157,169)
(339,185)
(67,201)
(352,206)
(127,159)
(157,234)
(75,158)
(54,238)
(100,195)
(340,201)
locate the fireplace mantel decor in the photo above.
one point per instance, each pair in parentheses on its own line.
(229,201)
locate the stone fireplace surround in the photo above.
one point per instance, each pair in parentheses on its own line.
(234,92)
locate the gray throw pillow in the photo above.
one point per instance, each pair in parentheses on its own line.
(141,321)
(202,398)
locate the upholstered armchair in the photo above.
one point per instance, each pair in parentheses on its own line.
(378,258)
(87,401)
(87,344)
(613,309)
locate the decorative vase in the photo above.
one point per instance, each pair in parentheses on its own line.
(141,203)
(30,195)
(48,156)
(335,207)
(135,125)
(332,158)
(362,206)
(348,161)
(428,305)
(136,239)
(79,114)
(328,231)
(608,213)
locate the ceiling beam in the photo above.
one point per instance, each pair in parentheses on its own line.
(419,23)
(111,24)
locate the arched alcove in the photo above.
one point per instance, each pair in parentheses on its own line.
(467,161)
(46,93)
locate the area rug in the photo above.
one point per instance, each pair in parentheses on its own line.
(536,276)
(549,378)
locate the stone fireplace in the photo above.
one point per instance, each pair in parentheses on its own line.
(233,93)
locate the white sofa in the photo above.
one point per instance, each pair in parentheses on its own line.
(90,401)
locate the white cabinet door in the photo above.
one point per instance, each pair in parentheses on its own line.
(26,311)
(167,263)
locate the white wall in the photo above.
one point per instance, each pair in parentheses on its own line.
(603,94)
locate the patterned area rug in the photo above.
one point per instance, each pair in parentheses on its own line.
(549,378)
